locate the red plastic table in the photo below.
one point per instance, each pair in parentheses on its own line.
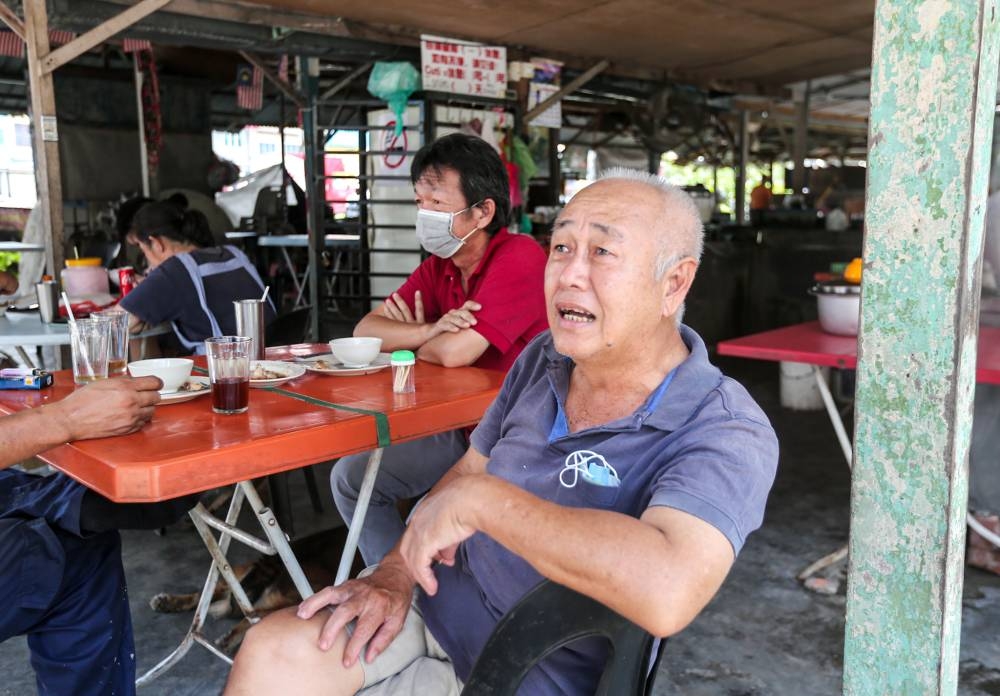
(808,343)
(187,448)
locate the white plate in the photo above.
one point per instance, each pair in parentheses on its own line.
(181,396)
(289,370)
(329,365)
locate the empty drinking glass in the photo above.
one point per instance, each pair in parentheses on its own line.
(118,347)
(89,341)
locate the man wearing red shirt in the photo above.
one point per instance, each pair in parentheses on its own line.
(477,300)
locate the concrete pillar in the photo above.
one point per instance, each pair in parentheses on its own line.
(934,80)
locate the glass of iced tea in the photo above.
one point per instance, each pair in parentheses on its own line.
(89,339)
(229,372)
(118,346)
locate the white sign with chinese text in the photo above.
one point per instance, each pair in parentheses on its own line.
(552,116)
(463,67)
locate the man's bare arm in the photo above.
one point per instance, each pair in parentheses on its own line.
(454,349)
(101,409)
(658,571)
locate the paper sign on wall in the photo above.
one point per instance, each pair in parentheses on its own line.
(463,67)
(552,116)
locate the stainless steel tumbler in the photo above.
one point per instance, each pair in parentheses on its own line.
(250,323)
(48,300)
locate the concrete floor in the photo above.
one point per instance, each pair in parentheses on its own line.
(763,635)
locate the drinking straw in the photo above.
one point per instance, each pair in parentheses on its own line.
(76,251)
(69,310)
(267,289)
(72,323)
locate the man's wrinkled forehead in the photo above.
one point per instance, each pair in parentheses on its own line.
(568,221)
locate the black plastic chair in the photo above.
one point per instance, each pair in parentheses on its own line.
(288,328)
(549,617)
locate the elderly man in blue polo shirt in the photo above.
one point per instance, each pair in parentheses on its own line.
(616,460)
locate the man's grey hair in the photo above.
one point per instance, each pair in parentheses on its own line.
(683,235)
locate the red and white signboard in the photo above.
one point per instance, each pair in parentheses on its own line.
(463,67)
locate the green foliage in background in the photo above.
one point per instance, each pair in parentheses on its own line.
(8,259)
(694,173)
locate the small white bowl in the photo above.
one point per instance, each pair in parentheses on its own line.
(173,372)
(356,351)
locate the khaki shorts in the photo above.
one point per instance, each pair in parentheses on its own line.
(414,664)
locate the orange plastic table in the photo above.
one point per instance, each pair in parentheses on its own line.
(187,448)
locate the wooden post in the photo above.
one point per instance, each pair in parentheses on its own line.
(45,134)
(934,80)
(141,120)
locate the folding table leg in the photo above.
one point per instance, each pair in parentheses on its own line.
(276,543)
(279,543)
(835,419)
(358,520)
(845,445)
(208,589)
(24,356)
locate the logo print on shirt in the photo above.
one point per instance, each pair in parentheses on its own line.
(593,466)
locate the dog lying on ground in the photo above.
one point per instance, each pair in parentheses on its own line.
(267,583)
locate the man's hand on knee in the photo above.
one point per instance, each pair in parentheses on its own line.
(378,605)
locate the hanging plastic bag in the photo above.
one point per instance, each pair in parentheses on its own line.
(394,82)
(521,156)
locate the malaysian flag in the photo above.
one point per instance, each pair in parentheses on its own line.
(134,45)
(283,68)
(58,37)
(249,87)
(11,44)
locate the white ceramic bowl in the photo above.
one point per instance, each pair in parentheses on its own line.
(356,351)
(839,314)
(173,372)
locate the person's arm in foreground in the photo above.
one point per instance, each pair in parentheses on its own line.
(658,571)
(381,600)
(101,409)
(450,341)
(8,284)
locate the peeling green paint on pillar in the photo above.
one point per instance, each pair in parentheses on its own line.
(934,78)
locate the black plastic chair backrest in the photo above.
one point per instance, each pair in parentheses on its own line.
(288,328)
(549,617)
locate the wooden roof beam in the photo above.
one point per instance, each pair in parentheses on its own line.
(10,18)
(99,34)
(574,85)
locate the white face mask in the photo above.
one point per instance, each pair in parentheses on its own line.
(434,232)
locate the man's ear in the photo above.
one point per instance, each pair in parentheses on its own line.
(676,284)
(485,212)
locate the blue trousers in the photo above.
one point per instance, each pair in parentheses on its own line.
(64,590)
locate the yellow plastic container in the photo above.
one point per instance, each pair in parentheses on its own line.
(852,274)
(85,261)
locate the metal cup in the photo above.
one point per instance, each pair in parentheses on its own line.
(48,300)
(250,323)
